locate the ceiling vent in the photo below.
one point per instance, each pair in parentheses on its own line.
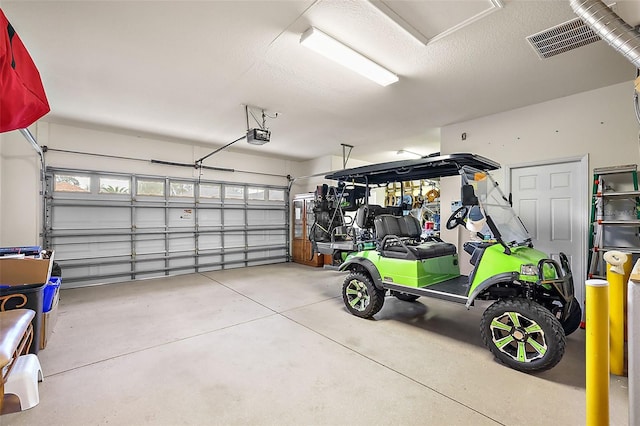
(562,38)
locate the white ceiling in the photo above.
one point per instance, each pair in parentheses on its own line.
(182,70)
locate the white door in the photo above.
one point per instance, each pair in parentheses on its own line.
(550,201)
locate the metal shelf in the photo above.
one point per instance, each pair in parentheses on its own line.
(631,222)
(621,194)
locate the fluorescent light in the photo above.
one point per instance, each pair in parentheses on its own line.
(318,41)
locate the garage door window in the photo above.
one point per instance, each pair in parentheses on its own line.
(209,191)
(72,183)
(256,193)
(109,185)
(234,192)
(151,187)
(181,189)
(276,195)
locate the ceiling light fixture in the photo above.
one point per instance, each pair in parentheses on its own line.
(321,43)
(404,151)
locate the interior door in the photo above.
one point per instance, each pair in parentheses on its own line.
(550,201)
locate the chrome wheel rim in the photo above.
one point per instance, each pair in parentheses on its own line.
(518,337)
(357,295)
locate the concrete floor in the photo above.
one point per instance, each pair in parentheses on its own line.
(275,345)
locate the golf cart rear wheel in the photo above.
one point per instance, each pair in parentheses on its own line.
(404,296)
(360,296)
(523,335)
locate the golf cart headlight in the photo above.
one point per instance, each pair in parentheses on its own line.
(529,270)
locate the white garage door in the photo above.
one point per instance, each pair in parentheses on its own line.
(107,227)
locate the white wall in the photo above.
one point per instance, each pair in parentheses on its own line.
(109,143)
(20,207)
(20,192)
(599,123)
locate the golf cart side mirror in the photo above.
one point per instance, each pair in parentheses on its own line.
(468,196)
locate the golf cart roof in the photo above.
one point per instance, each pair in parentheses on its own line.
(406,170)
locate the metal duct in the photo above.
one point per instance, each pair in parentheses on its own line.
(610,27)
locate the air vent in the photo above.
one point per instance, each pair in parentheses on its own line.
(562,38)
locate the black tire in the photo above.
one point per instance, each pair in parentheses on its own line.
(575,318)
(360,296)
(404,296)
(523,335)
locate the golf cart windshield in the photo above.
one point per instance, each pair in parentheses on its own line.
(496,207)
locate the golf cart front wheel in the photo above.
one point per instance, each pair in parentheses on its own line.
(360,295)
(523,335)
(575,318)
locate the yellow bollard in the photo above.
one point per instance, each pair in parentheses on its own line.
(618,269)
(597,347)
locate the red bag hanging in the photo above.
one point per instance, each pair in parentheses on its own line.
(22,97)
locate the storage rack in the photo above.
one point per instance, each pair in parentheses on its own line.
(604,179)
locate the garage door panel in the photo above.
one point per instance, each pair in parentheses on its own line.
(75,217)
(209,241)
(186,243)
(209,217)
(183,263)
(234,257)
(150,274)
(233,240)
(267,237)
(181,217)
(210,259)
(150,217)
(75,272)
(233,217)
(121,270)
(266,217)
(149,245)
(93,249)
(145,263)
(82,239)
(260,254)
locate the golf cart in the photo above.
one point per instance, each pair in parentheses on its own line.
(534,306)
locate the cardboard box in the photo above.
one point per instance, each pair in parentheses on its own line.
(49,320)
(25,271)
(22,282)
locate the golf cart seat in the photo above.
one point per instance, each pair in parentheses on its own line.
(366,215)
(399,238)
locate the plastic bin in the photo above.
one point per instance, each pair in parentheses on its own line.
(49,292)
(28,296)
(23,282)
(26,250)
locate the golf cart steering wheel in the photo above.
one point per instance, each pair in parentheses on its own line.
(457,217)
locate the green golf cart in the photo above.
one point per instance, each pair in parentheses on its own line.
(534,308)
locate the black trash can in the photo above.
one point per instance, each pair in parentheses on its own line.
(25,296)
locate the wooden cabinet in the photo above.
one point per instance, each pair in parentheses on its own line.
(302,223)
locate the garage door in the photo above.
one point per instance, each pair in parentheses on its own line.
(108,227)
